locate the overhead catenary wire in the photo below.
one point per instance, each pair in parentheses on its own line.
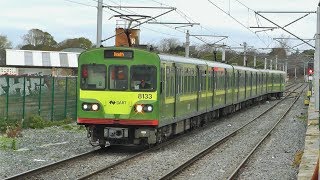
(123,9)
(237,21)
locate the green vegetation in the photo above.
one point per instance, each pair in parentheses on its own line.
(37,122)
(13,128)
(303,117)
(4,123)
(297,159)
(7,143)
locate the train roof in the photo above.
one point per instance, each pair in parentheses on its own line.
(196,61)
(276,71)
(218,64)
(179,59)
(245,68)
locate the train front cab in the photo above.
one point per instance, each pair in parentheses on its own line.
(112,102)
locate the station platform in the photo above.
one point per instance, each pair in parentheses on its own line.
(308,166)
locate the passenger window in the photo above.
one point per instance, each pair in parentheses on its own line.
(93,77)
(118,77)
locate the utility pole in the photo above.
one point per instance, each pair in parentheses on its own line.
(265,63)
(304,69)
(254,60)
(295,73)
(276,68)
(99,23)
(244,54)
(187,44)
(223,53)
(316,61)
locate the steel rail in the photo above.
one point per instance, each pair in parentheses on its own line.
(48,167)
(235,172)
(195,158)
(122,161)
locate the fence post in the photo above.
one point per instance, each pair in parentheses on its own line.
(65,98)
(76,98)
(39,104)
(7,98)
(52,98)
(24,97)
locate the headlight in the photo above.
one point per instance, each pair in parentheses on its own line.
(90,107)
(95,107)
(139,108)
(86,107)
(148,108)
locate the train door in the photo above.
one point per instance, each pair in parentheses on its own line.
(281,86)
(176,89)
(201,95)
(245,85)
(235,86)
(198,85)
(238,85)
(162,89)
(251,83)
(256,75)
(226,87)
(272,81)
(215,88)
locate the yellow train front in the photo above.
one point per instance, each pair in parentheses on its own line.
(118,95)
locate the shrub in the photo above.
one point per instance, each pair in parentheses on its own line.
(35,122)
(5,123)
(8,143)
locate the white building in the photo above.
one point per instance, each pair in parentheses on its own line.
(40,62)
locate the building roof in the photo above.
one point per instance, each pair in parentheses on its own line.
(41,58)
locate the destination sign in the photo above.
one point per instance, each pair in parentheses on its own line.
(125,54)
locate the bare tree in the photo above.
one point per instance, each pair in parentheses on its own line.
(168,45)
(4,44)
(38,38)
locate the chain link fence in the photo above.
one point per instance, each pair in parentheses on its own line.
(52,98)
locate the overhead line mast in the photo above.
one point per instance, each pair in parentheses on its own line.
(99,23)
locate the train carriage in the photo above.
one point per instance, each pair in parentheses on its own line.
(137,97)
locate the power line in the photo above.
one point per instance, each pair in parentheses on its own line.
(236,21)
(80,3)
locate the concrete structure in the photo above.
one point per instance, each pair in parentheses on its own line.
(8,71)
(311,150)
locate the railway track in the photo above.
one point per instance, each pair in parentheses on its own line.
(76,164)
(241,165)
(52,166)
(176,171)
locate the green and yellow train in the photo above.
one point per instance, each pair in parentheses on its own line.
(131,96)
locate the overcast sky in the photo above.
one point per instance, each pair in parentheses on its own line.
(65,19)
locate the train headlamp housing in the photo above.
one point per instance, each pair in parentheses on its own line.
(90,106)
(141,108)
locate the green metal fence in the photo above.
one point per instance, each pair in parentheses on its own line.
(53,98)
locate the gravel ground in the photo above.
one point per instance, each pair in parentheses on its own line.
(41,147)
(220,163)
(278,158)
(38,147)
